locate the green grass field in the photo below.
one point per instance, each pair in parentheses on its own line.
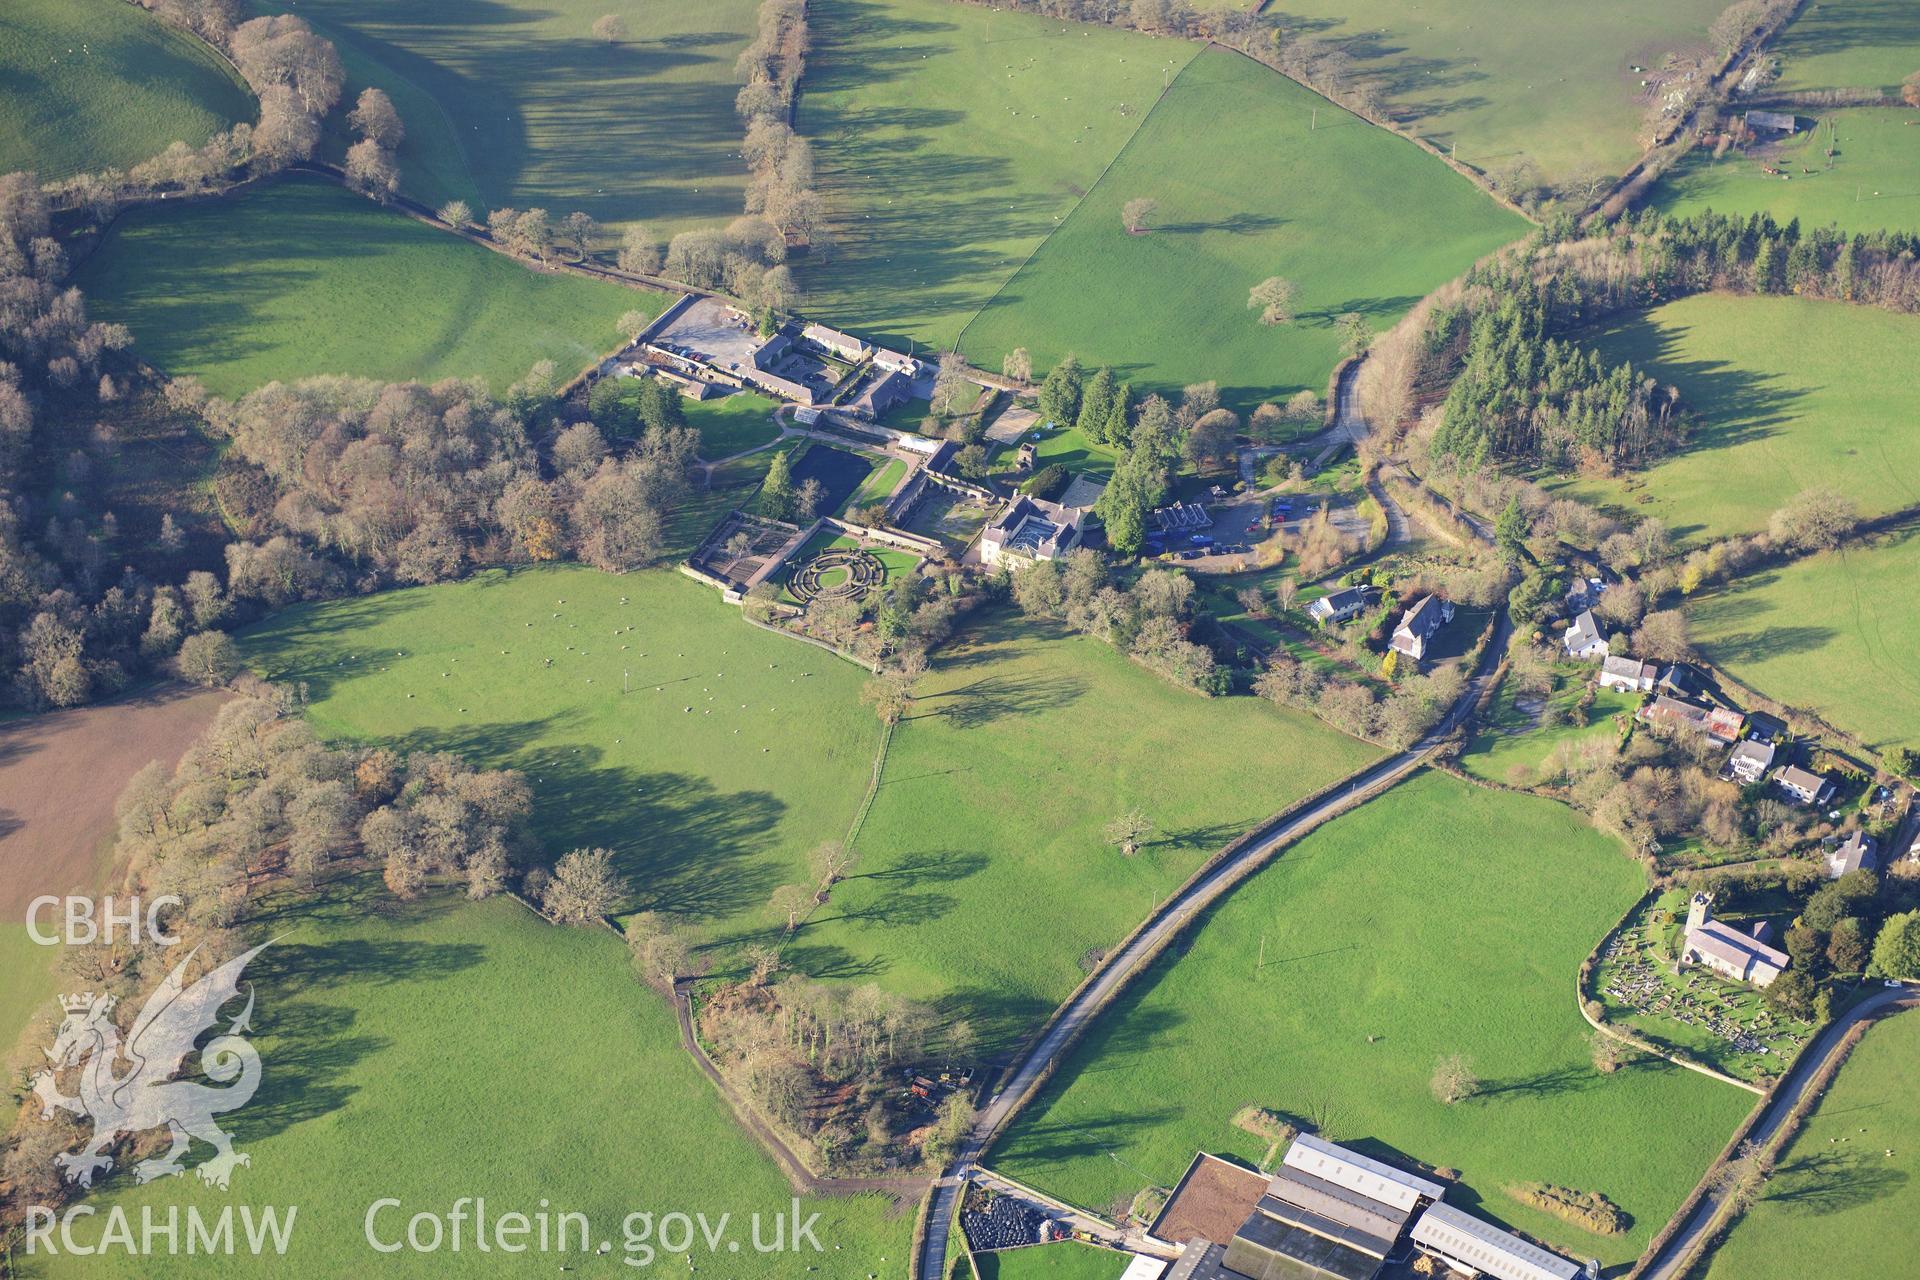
(878,485)
(1835,633)
(1510,744)
(986,876)
(1065,1261)
(1843,1199)
(1499,80)
(31,983)
(1274,195)
(513,103)
(732,424)
(1441,918)
(302,278)
(709,808)
(1873,184)
(947,156)
(451,1049)
(1850,44)
(95,84)
(1786,393)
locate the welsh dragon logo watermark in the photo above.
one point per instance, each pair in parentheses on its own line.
(129,1087)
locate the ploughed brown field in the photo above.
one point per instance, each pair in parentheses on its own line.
(60,774)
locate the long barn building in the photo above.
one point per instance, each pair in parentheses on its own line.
(1329,1213)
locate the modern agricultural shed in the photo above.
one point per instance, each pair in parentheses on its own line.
(1327,1214)
(1482,1249)
(1772,122)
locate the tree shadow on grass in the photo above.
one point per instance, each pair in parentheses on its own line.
(1769,642)
(996,697)
(937,866)
(1828,1182)
(1240,224)
(1541,1084)
(1207,835)
(1081,1138)
(894,910)
(310,1046)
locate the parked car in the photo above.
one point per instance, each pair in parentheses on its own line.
(1201,539)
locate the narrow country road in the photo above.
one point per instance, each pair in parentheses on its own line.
(1677,1255)
(1073,1018)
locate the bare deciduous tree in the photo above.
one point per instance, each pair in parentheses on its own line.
(1453,1079)
(610,28)
(791,902)
(370,168)
(1135,212)
(584,887)
(1127,831)
(1273,298)
(639,250)
(374,117)
(1740,1181)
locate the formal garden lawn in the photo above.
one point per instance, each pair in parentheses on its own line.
(1272,196)
(1064,1261)
(1500,81)
(1438,919)
(1787,394)
(1835,634)
(1844,1201)
(444,1049)
(95,84)
(951,140)
(735,752)
(1872,185)
(302,278)
(732,424)
(898,564)
(516,103)
(878,484)
(986,877)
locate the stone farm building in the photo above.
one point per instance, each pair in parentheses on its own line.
(1717,945)
(1628,675)
(894,362)
(881,393)
(1859,852)
(834,342)
(1032,529)
(1419,624)
(1719,723)
(1583,638)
